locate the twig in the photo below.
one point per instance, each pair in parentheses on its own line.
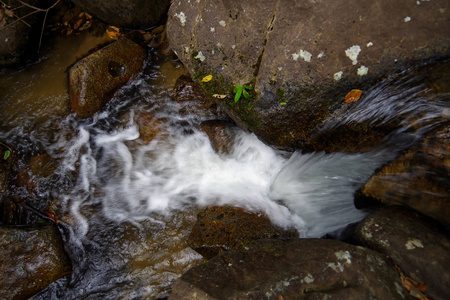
(36,10)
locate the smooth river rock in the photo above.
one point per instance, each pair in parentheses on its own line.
(302,58)
(221,228)
(94,79)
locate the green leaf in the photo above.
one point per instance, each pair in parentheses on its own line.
(7,153)
(283,103)
(246,95)
(238,94)
(248,87)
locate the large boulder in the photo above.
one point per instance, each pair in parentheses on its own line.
(416,246)
(295,269)
(419,178)
(303,57)
(94,79)
(32,258)
(127,13)
(220,228)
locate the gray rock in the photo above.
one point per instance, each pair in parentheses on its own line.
(127,13)
(303,57)
(420,250)
(295,269)
(31,259)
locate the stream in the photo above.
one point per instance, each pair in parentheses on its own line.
(127,206)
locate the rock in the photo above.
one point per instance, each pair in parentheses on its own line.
(295,269)
(131,13)
(420,250)
(150,127)
(193,99)
(220,228)
(417,179)
(303,58)
(20,42)
(221,134)
(94,79)
(32,258)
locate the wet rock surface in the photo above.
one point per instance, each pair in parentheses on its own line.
(220,228)
(417,179)
(94,79)
(194,100)
(295,269)
(221,133)
(32,258)
(418,247)
(304,57)
(131,13)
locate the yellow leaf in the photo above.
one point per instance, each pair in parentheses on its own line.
(207,78)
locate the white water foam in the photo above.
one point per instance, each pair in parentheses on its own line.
(310,192)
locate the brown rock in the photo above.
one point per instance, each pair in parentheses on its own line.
(304,57)
(221,228)
(418,179)
(295,269)
(31,259)
(193,99)
(221,134)
(94,79)
(420,250)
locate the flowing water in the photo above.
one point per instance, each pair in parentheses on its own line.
(126,205)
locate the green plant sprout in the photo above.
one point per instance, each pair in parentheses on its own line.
(6,155)
(241,90)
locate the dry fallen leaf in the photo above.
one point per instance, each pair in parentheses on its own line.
(9,13)
(2,13)
(219,96)
(113,32)
(353,96)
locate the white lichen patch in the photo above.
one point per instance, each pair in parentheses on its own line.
(353,53)
(363,70)
(305,55)
(280,68)
(336,267)
(321,54)
(233,47)
(369,44)
(344,255)
(186,49)
(223,23)
(338,75)
(212,29)
(200,56)
(413,244)
(309,278)
(218,44)
(407,19)
(182,17)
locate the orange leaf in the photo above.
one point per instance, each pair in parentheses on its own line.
(52,216)
(353,96)
(113,32)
